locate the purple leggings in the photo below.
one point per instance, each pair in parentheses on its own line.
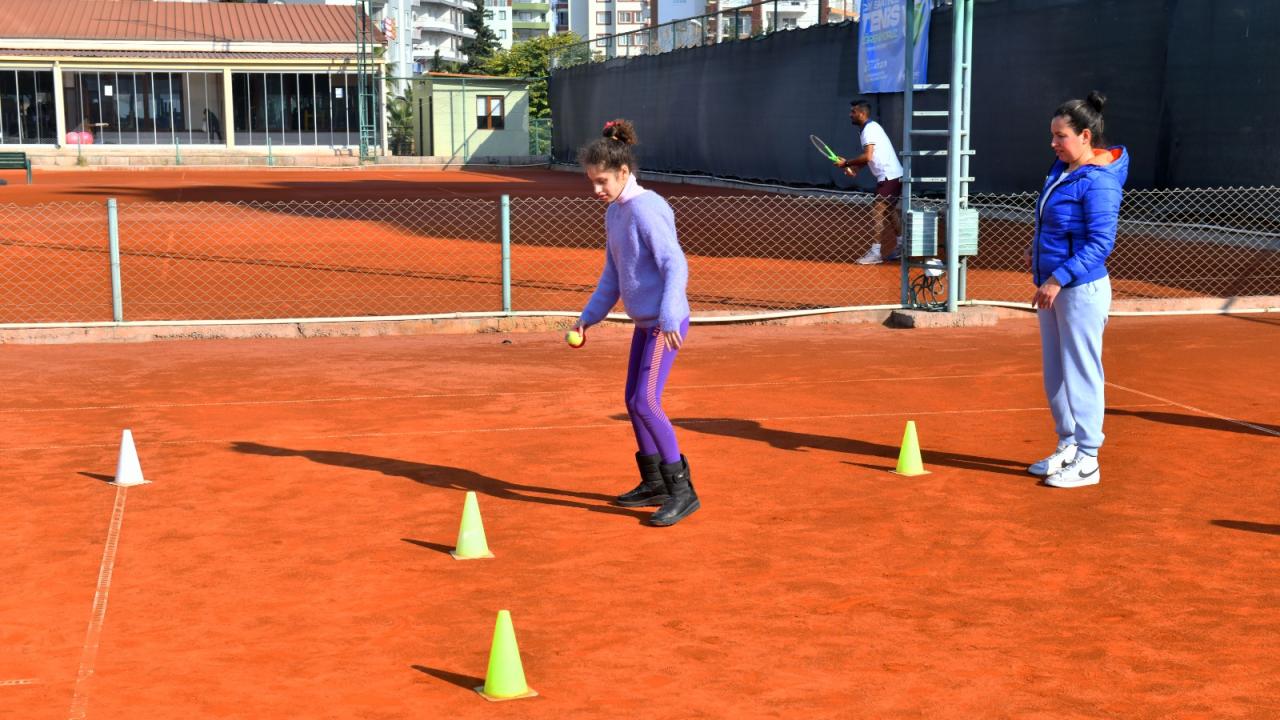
(647,372)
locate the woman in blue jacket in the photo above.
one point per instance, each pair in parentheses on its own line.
(1076,219)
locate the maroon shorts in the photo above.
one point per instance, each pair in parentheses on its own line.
(890,190)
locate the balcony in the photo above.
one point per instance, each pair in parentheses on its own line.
(436,25)
(528,25)
(425,53)
(531,7)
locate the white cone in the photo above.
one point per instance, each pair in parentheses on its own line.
(128,471)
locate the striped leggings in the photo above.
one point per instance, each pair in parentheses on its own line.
(647,371)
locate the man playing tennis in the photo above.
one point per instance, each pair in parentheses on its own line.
(879,155)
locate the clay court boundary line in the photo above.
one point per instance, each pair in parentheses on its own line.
(1206,413)
(89,655)
(19,682)
(520,393)
(584,426)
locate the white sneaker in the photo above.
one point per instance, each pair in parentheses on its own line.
(872,257)
(1078,473)
(1052,464)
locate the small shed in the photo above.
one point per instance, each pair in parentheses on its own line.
(468,116)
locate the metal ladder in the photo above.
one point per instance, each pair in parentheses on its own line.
(366,81)
(957,152)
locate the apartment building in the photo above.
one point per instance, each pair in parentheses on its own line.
(597,20)
(515,21)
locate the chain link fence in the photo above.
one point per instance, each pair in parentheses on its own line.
(747,255)
(1216,243)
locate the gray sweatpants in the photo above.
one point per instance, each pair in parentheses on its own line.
(1071,345)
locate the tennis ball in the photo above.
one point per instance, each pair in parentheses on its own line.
(575,338)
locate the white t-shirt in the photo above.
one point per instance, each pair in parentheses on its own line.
(884,161)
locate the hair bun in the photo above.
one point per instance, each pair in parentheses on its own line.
(1096,100)
(621,131)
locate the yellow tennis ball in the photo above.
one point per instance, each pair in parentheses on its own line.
(575,338)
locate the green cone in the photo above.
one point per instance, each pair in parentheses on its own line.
(505,677)
(471,542)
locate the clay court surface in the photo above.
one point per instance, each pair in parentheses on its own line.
(284,184)
(289,558)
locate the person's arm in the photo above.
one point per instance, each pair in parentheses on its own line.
(605,296)
(868,152)
(1101,202)
(658,229)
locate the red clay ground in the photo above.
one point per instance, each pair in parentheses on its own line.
(289,559)
(283,184)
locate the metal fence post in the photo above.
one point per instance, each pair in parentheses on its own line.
(113,244)
(506,253)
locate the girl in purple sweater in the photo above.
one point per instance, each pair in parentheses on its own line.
(643,264)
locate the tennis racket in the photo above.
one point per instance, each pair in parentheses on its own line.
(828,152)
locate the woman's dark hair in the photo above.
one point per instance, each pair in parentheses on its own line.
(1084,115)
(613,149)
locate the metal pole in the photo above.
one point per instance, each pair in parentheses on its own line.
(113,245)
(466,135)
(908,86)
(968,136)
(270,160)
(506,254)
(177,150)
(954,140)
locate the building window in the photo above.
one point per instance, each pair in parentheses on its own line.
(300,108)
(26,108)
(602,40)
(502,14)
(502,34)
(489,115)
(604,18)
(144,108)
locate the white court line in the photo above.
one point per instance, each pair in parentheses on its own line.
(80,700)
(530,393)
(19,681)
(586,426)
(1242,423)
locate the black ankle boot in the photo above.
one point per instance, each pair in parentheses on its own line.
(651,490)
(681,499)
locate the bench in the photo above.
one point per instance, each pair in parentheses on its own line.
(16,161)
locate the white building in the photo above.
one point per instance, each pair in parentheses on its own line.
(515,21)
(791,14)
(599,19)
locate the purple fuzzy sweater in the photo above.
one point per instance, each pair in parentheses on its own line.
(643,264)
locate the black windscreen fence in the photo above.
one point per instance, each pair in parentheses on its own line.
(1193,91)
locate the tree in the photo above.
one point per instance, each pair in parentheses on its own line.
(482,47)
(400,123)
(532,59)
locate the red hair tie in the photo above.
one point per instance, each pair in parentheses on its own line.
(609,124)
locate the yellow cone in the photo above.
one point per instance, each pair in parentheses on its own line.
(471,543)
(505,678)
(909,462)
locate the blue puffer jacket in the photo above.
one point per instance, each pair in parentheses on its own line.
(1077,228)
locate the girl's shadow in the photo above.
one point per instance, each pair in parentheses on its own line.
(449,478)
(787,440)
